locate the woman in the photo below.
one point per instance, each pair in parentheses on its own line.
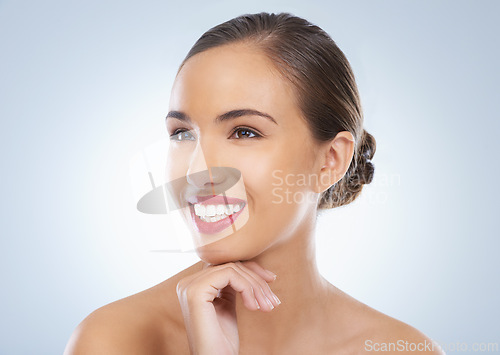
(272,97)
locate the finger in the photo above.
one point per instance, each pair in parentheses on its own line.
(264,302)
(262,283)
(206,265)
(228,276)
(267,275)
(256,271)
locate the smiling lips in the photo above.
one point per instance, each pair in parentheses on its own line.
(212,214)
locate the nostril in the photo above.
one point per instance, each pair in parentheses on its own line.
(214,181)
(199,179)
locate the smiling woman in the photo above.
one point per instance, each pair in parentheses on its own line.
(260,95)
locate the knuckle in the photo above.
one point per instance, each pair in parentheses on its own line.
(190,293)
(185,288)
(250,263)
(231,269)
(232,272)
(181,288)
(248,286)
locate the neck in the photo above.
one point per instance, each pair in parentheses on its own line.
(299,286)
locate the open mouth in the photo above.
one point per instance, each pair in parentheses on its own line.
(214,213)
(211,216)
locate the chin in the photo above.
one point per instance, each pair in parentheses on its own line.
(224,251)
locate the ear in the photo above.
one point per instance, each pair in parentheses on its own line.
(335,157)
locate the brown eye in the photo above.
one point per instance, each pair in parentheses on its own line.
(244,133)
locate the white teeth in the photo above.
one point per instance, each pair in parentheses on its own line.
(214,213)
(210,210)
(199,210)
(220,209)
(213,219)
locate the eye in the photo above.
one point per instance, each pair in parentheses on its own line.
(181,135)
(245,133)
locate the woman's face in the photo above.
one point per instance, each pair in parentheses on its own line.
(274,152)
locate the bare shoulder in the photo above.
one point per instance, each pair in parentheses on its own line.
(396,337)
(149,322)
(371,331)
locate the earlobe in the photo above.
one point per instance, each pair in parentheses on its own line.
(328,176)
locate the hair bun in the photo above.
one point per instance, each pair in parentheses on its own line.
(364,167)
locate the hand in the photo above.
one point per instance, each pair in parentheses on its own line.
(208,300)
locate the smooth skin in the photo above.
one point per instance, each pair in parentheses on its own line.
(231,302)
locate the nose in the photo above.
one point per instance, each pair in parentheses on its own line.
(199,173)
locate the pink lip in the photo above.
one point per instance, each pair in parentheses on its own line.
(214,227)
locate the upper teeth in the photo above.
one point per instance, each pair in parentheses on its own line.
(212,210)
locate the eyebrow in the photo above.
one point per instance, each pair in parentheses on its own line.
(230,115)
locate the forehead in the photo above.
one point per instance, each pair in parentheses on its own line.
(229,77)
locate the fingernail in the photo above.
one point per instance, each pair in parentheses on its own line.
(270,303)
(272,274)
(257,303)
(276,299)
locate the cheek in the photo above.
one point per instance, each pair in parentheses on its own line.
(257,173)
(271,199)
(267,169)
(170,169)
(178,158)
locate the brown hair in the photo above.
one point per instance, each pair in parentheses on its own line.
(323,80)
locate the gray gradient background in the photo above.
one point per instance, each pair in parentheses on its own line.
(85,85)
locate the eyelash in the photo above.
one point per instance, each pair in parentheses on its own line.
(236,129)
